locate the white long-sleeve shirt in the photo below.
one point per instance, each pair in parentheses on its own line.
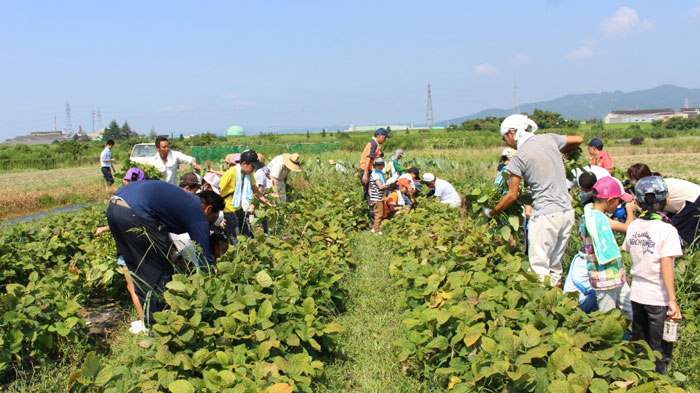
(169,168)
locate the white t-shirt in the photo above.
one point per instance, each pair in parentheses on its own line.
(647,242)
(680,192)
(277,169)
(261,178)
(169,168)
(446,193)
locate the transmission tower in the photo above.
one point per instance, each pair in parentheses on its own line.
(93,113)
(516,99)
(69,127)
(99,120)
(429,119)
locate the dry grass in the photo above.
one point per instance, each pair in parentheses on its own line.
(33,191)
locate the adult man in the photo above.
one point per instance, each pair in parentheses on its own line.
(140,217)
(371,151)
(235,186)
(167,161)
(538,161)
(279,171)
(598,156)
(442,189)
(106,161)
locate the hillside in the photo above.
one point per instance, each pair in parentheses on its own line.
(597,105)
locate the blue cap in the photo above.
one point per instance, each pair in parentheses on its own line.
(651,185)
(382,131)
(597,143)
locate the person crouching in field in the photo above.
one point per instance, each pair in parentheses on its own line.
(653,244)
(395,202)
(538,160)
(377,185)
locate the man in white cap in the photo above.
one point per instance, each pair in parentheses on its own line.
(280,167)
(538,161)
(442,189)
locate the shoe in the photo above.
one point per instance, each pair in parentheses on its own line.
(137,327)
(379,233)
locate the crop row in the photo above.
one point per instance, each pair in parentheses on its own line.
(477,318)
(263,322)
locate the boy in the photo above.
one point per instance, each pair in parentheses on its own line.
(606,272)
(598,156)
(106,162)
(653,244)
(377,185)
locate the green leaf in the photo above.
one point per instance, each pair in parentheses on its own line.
(309,305)
(505,233)
(439,342)
(263,279)
(91,366)
(530,336)
(514,222)
(265,310)
(181,386)
(598,385)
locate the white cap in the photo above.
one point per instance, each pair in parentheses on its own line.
(213,180)
(428,177)
(517,122)
(508,152)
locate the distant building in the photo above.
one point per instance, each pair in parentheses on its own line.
(39,138)
(97,135)
(643,115)
(692,112)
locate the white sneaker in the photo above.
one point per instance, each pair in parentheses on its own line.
(137,327)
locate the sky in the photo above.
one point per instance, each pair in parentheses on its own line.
(190,67)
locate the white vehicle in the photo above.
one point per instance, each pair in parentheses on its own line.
(143,153)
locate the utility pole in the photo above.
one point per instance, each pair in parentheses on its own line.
(55,127)
(99,120)
(93,113)
(429,119)
(69,126)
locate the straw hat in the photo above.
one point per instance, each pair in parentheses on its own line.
(331,162)
(292,161)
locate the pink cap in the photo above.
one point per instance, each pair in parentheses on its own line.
(609,187)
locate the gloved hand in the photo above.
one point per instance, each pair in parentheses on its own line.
(486,212)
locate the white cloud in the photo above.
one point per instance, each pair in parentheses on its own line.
(584,52)
(624,23)
(693,12)
(486,69)
(174,108)
(235,99)
(520,58)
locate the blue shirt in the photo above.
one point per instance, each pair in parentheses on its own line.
(177,209)
(106,155)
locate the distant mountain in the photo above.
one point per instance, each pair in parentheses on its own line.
(590,106)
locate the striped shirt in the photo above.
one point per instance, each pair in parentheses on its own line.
(375,194)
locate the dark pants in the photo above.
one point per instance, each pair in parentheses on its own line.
(145,251)
(648,325)
(236,225)
(687,222)
(365,195)
(107,173)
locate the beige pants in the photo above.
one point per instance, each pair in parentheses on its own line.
(548,237)
(615,298)
(378,215)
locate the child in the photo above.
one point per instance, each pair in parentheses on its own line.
(653,244)
(606,273)
(377,185)
(395,202)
